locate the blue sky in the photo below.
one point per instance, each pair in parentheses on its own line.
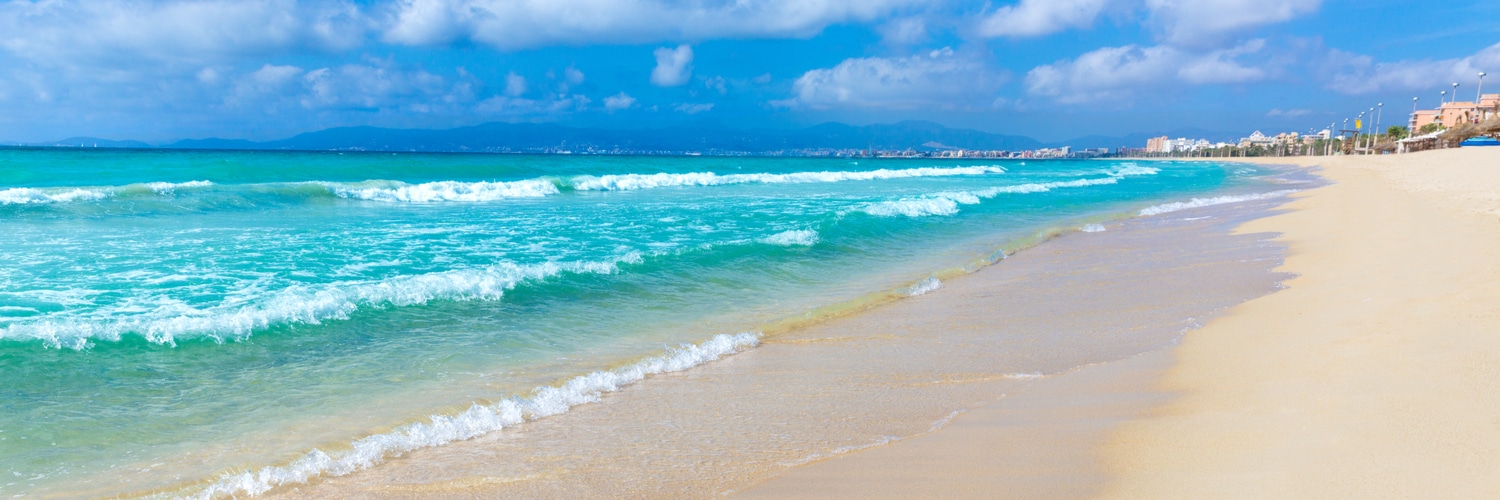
(1051,69)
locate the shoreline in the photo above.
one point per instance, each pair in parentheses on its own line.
(1371,375)
(858,381)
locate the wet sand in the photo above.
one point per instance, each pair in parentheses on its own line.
(1023,363)
(1375,374)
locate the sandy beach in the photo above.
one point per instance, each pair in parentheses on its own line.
(1335,343)
(1374,374)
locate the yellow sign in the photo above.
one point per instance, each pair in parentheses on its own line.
(1359,124)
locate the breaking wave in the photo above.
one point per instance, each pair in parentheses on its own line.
(478,420)
(1217,200)
(296,305)
(803,237)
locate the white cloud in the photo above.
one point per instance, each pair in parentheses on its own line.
(1362,75)
(673,66)
(693,109)
(618,102)
(1117,72)
(515,85)
(941,78)
(1208,22)
(126,33)
(1031,18)
(521,24)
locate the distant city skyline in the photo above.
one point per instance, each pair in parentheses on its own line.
(1053,70)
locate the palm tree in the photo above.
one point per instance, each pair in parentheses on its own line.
(1396,132)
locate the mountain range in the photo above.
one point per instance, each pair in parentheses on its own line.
(707,138)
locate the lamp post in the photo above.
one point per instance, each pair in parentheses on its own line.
(1479,97)
(1370,131)
(1455,92)
(1379,113)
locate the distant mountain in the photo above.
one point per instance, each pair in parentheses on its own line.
(701,137)
(91,142)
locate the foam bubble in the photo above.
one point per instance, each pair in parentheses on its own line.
(1217,200)
(1092,228)
(804,237)
(924,286)
(476,421)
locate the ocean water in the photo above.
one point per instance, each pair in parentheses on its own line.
(222,323)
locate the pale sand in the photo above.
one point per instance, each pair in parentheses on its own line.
(1376,374)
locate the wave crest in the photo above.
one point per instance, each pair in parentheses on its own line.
(300,305)
(477,420)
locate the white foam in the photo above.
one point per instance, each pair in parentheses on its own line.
(628,182)
(1217,200)
(1132,168)
(170,187)
(476,421)
(912,207)
(924,286)
(804,237)
(1092,228)
(296,305)
(430,192)
(946,203)
(28,196)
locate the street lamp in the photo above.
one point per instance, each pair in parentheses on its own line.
(1455,92)
(1379,112)
(1478,98)
(1412,124)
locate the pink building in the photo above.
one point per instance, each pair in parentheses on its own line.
(1452,114)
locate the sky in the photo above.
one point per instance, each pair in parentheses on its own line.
(1051,69)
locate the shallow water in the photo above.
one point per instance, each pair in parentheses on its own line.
(167,318)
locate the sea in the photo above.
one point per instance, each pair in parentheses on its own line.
(219,324)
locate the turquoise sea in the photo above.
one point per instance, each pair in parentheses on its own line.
(220,323)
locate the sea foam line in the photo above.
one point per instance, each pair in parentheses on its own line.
(301,305)
(1217,200)
(627,182)
(947,203)
(478,420)
(43,195)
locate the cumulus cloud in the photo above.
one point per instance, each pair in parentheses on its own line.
(515,85)
(1206,22)
(618,102)
(941,78)
(1031,18)
(512,25)
(1117,72)
(1357,74)
(673,66)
